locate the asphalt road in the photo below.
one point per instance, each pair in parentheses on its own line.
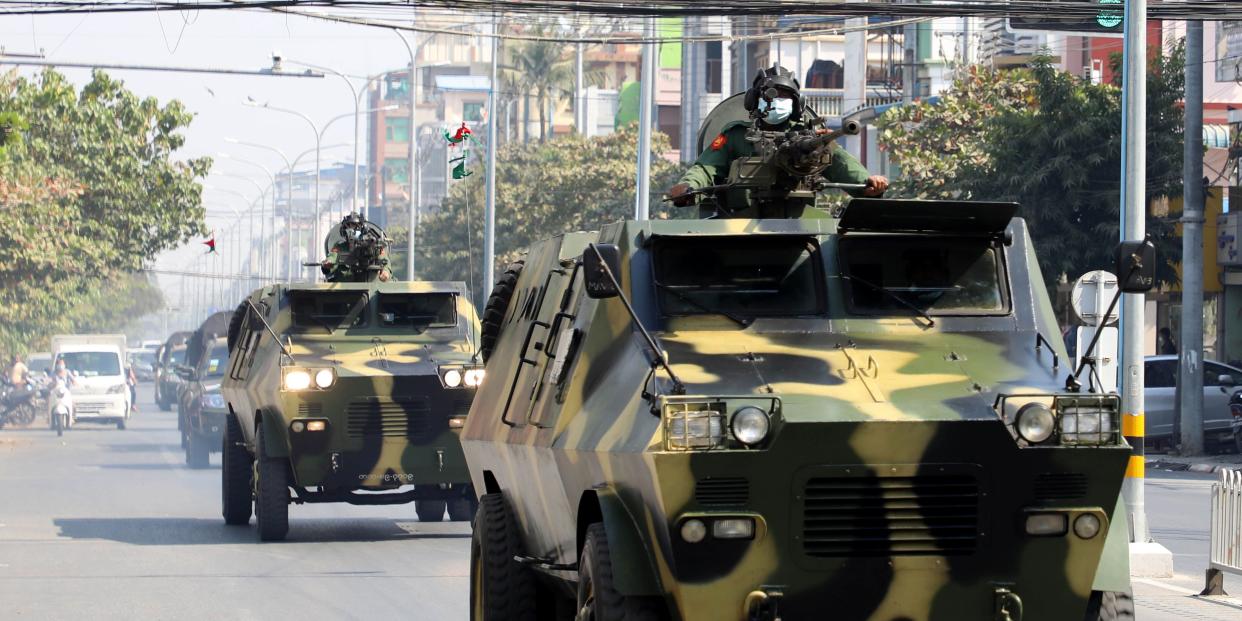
(108,524)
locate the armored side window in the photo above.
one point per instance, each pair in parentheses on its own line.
(889,274)
(328,310)
(417,311)
(741,276)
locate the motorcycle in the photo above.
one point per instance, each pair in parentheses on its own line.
(60,406)
(17,404)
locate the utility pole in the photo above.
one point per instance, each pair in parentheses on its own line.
(580,121)
(689,91)
(855,93)
(909,71)
(1190,365)
(1147,558)
(413,156)
(642,198)
(489,211)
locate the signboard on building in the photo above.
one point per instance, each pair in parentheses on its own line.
(1228,51)
(1107,21)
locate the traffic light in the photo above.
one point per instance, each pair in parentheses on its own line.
(1107,21)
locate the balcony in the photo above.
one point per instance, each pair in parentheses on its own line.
(829,101)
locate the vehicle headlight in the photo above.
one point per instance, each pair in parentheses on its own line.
(117,389)
(214,401)
(1087,420)
(297,379)
(750,425)
(325,378)
(1035,423)
(474,377)
(452,378)
(694,425)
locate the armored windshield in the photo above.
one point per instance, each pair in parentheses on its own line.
(417,311)
(935,275)
(738,276)
(328,310)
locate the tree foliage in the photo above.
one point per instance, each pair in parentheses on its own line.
(1050,141)
(569,183)
(89,191)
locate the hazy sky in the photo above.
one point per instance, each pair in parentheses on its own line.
(223,39)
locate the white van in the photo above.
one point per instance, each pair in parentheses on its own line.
(97,361)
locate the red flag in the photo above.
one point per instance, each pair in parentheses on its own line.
(211,244)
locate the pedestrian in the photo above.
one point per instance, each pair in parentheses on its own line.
(1164,343)
(132,380)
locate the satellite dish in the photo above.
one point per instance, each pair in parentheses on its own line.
(1091,296)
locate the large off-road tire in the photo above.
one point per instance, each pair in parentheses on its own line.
(598,599)
(462,509)
(1110,606)
(236,466)
(501,589)
(271,498)
(197,453)
(429,510)
(493,318)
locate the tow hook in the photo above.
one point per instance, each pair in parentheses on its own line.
(1008,606)
(763,604)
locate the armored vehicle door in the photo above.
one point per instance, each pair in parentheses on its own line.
(542,311)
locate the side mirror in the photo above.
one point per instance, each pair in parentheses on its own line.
(1136,266)
(597,261)
(1226,380)
(184,372)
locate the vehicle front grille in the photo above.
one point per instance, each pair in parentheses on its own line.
(89,408)
(1060,486)
(890,516)
(461,408)
(310,410)
(408,418)
(722,491)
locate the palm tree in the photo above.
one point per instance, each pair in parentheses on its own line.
(543,68)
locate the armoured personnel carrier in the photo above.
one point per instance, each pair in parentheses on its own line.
(862,417)
(350,392)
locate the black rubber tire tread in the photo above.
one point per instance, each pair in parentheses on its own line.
(506,588)
(1111,606)
(430,510)
(165,406)
(236,465)
(197,454)
(462,509)
(271,503)
(595,569)
(493,318)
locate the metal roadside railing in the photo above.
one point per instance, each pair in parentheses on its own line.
(1225,554)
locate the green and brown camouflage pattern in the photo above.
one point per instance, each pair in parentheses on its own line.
(382,372)
(866,404)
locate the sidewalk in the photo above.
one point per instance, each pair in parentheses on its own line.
(1162,600)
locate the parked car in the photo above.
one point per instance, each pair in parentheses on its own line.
(143,361)
(1220,381)
(203,410)
(167,383)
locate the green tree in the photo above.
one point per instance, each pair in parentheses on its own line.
(545,70)
(1050,141)
(89,191)
(569,183)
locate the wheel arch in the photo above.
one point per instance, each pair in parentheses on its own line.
(273,434)
(633,563)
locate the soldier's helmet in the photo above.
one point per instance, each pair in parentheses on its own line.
(765,87)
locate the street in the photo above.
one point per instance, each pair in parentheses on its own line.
(108,524)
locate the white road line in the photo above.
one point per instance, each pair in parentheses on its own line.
(1218,600)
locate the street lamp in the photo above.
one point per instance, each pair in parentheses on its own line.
(250,208)
(288,205)
(262,222)
(353,92)
(250,101)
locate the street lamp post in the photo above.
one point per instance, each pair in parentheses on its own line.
(318,145)
(288,204)
(250,208)
(353,92)
(262,223)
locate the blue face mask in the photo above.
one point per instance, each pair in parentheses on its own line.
(778,111)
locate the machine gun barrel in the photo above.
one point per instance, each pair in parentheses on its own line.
(813,142)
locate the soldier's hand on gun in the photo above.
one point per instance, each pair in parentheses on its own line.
(876,185)
(681,195)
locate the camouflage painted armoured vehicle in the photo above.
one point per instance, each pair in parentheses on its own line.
(349,392)
(863,417)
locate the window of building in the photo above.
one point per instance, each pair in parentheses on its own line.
(714,56)
(396,87)
(397,128)
(472,112)
(396,170)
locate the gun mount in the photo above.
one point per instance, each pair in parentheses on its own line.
(357,251)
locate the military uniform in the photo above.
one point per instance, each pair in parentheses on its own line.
(334,270)
(712,167)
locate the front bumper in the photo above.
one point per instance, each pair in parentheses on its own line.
(377,436)
(884,520)
(102,408)
(209,423)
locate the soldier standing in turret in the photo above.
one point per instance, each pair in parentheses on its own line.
(779,113)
